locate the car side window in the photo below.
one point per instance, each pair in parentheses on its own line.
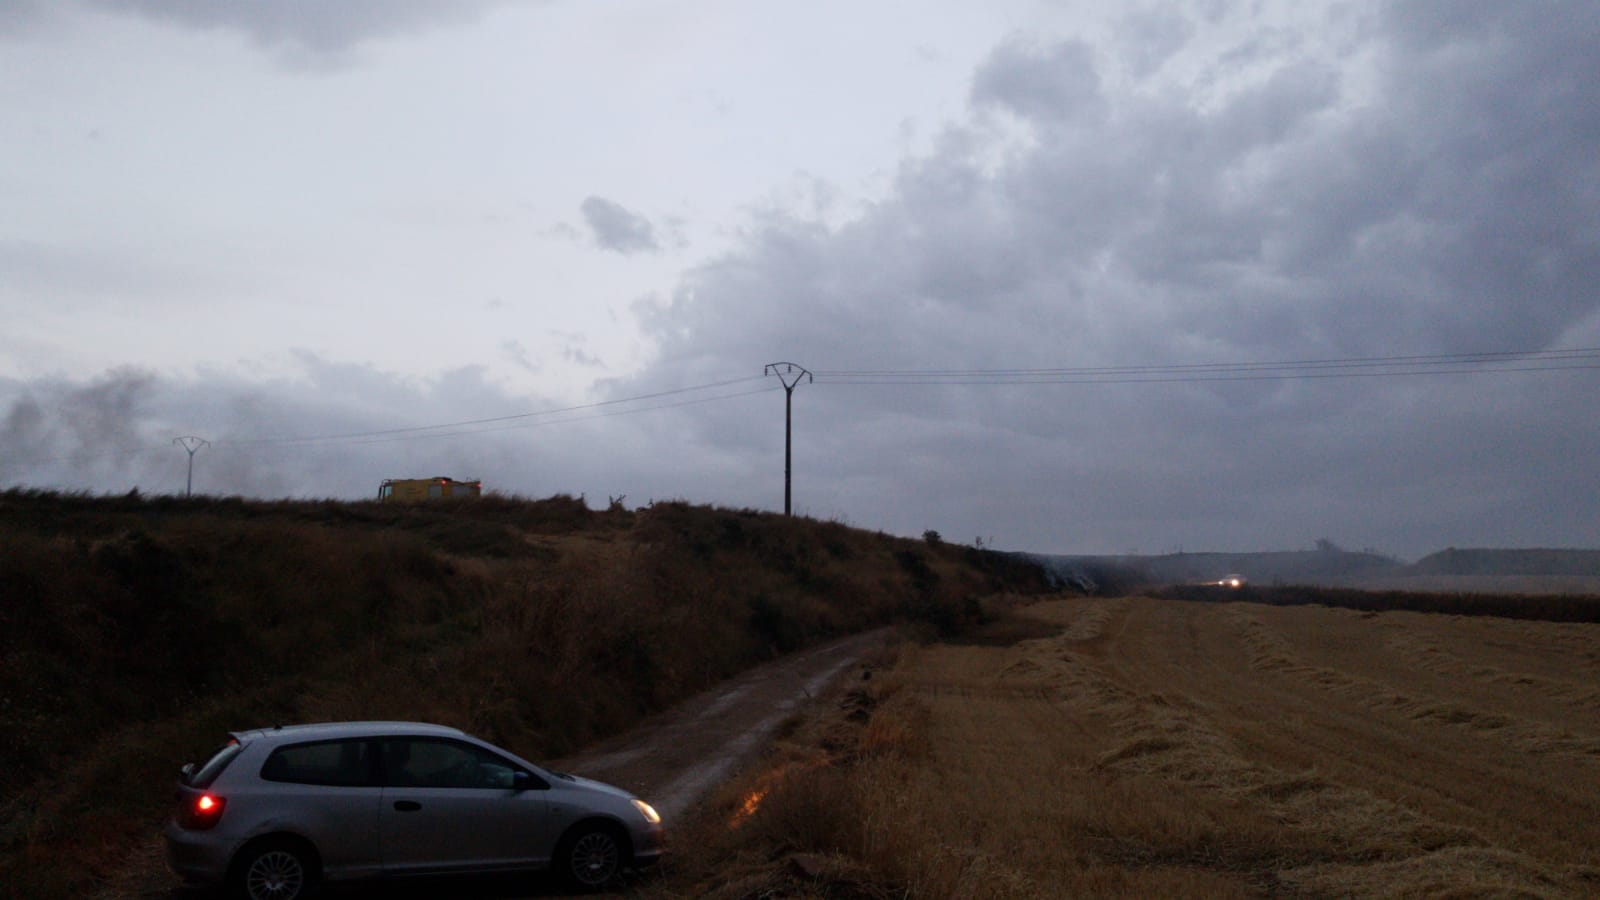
(435,763)
(346,763)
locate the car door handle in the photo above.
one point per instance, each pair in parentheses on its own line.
(407,806)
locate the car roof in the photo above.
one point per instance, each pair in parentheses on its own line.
(331,730)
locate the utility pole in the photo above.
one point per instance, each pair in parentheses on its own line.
(191,444)
(790,378)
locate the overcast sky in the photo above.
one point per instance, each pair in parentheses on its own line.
(1034,254)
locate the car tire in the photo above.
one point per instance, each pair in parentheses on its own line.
(591,857)
(274,870)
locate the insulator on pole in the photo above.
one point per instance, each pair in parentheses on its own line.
(191,444)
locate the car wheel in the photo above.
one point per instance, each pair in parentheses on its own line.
(591,858)
(276,870)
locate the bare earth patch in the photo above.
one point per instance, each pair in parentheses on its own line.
(675,759)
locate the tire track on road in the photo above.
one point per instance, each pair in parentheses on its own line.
(676,758)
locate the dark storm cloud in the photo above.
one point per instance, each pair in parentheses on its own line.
(333,429)
(615,227)
(268,438)
(1446,204)
(1447,200)
(311,27)
(97,429)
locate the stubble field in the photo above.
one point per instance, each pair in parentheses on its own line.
(1141,747)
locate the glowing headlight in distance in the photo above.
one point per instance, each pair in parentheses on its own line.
(646,810)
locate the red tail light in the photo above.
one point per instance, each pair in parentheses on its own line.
(203,812)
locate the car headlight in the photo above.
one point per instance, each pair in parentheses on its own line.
(648,811)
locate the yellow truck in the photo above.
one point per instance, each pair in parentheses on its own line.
(416,490)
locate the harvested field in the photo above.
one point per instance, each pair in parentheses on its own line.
(1319,749)
(1585,585)
(1167,748)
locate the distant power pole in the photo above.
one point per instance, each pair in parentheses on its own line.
(790,376)
(191,444)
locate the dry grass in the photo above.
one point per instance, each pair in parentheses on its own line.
(1154,748)
(136,632)
(1475,596)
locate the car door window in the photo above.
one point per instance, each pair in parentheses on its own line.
(433,763)
(346,763)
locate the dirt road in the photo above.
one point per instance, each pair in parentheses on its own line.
(673,760)
(676,758)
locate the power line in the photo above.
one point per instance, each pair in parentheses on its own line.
(392,438)
(1351,367)
(504,423)
(87,456)
(418,429)
(1184,379)
(1490,362)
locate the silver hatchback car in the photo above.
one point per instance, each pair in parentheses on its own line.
(274,811)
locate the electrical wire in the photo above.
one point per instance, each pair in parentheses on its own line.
(445,429)
(1491,362)
(87,456)
(1351,367)
(419,429)
(1185,379)
(604,415)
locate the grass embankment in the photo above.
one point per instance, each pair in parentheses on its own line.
(136,631)
(1138,747)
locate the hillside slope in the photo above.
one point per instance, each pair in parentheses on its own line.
(1322,566)
(1507,562)
(136,631)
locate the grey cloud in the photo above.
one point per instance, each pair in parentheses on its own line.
(576,354)
(1151,36)
(1040,82)
(20,17)
(311,26)
(98,430)
(26,432)
(104,414)
(1453,208)
(614,227)
(1452,211)
(271,439)
(90,274)
(282,437)
(517,352)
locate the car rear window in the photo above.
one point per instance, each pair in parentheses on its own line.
(346,763)
(218,761)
